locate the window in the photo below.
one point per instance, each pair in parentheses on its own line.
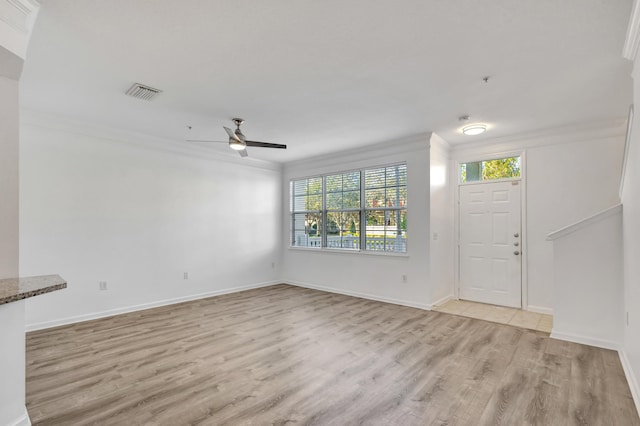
(343,210)
(306,208)
(386,208)
(329,211)
(501,168)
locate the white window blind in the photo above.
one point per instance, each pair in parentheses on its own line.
(306,212)
(343,196)
(386,208)
(331,211)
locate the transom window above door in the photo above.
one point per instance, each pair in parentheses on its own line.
(493,169)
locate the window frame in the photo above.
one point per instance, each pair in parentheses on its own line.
(305,212)
(362,210)
(498,156)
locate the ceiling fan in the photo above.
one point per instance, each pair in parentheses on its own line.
(238,142)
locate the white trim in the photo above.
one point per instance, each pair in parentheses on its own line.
(369,156)
(631,378)
(581,132)
(343,251)
(539,309)
(480,156)
(439,145)
(16,21)
(562,232)
(482,182)
(23,420)
(585,340)
(524,232)
(441,301)
(627,143)
(143,306)
(367,296)
(632,40)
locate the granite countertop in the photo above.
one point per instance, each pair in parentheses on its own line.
(13,289)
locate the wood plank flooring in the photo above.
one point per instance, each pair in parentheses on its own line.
(284,355)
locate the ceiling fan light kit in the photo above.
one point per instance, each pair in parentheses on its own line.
(238,146)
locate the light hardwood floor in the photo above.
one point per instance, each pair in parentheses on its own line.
(286,355)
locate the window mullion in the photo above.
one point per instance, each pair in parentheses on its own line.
(323,238)
(363,216)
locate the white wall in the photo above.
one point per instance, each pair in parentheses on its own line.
(441,218)
(588,287)
(369,275)
(137,213)
(631,243)
(570,174)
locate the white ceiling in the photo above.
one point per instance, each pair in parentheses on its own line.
(322,76)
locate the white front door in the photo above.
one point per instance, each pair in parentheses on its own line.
(490,243)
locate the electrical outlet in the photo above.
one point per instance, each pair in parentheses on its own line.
(186,276)
(102,285)
(405,279)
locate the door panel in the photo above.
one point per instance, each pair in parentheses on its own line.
(490,271)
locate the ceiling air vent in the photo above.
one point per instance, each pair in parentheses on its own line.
(141,91)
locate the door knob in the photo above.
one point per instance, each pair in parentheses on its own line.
(516,252)
(516,244)
(516,235)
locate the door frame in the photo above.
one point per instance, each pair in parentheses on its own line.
(455,178)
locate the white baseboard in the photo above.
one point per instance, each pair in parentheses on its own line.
(23,420)
(361,295)
(585,340)
(631,378)
(442,301)
(539,310)
(141,307)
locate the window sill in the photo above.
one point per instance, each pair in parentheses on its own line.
(349,251)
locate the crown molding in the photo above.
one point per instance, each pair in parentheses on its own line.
(631,42)
(583,132)
(365,153)
(16,21)
(56,123)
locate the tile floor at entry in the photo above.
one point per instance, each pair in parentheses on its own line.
(499,314)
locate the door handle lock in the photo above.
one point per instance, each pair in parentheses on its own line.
(516,235)
(516,252)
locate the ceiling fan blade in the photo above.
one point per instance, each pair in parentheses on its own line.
(202,140)
(232,134)
(243,153)
(265,144)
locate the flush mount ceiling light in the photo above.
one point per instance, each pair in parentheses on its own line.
(474,129)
